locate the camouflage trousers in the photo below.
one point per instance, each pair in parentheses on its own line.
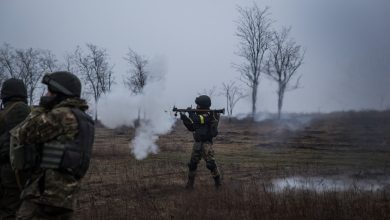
(49,194)
(9,193)
(203,150)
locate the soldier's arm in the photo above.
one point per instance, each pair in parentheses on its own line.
(14,117)
(217,116)
(4,140)
(46,126)
(188,123)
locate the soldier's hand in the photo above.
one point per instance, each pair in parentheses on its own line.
(182,116)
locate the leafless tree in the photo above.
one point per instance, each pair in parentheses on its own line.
(284,60)
(233,94)
(138,77)
(138,73)
(95,70)
(8,62)
(28,65)
(209,92)
(253,31)
(69,63)
(48,61)
(30,70)
(2,74)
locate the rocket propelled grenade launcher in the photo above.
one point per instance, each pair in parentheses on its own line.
(176,110)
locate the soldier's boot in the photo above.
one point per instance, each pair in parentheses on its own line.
(217,182)
(190,182)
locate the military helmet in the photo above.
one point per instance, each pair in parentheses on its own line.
(13,88)
(63,82)
(203,101)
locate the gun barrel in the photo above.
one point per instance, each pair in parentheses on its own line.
(222,111)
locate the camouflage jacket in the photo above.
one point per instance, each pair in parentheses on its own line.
(204,126)
(13,113)
(57,125)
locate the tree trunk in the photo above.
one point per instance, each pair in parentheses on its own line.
(254,99)
(31,98)
(96,110)
(280,101)
(227,108)
(138,121)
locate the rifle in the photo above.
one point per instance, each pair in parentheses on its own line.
(176,110)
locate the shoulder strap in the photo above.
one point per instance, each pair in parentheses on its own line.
(6,111)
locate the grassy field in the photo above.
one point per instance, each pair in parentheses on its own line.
(347,145)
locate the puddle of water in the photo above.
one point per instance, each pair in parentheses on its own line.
(321,184)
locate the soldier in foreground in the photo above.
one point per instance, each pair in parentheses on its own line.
(204,125)
(53,145)
(14,110)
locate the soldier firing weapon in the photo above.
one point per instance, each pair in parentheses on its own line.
(203,123)
(189,110)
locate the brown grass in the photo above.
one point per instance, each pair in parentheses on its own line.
(250,155)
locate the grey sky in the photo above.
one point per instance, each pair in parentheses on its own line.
(347,63)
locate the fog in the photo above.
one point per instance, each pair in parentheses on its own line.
(347,62)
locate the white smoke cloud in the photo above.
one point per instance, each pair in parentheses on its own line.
(119,108)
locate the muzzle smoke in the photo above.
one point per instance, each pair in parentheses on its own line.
(120,108)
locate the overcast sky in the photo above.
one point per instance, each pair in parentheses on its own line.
(347,62)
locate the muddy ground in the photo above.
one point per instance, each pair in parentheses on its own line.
(354,145)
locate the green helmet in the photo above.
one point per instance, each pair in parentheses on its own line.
(203,101)
(63,82)
(13,88)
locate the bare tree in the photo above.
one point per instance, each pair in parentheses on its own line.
(255,37)
(138,77)
(69,63)
(2,74)
(5,59)
(138,73)
(28,65)
(284,60)
(48,61)
(209,92)
(30,70)
(233,94)
(8,62)
(95,70)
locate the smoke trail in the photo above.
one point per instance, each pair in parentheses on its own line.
(119,108)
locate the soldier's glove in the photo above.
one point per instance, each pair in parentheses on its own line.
(183,116)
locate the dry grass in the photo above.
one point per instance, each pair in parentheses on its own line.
(250,156)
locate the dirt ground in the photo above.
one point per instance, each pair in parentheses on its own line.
(250,155)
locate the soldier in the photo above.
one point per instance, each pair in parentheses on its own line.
(54,146)
(204,127)
(14,101)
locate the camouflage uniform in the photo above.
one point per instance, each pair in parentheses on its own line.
(203,150)
(49,193)
(15,111)
(13,95)
(200,125)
